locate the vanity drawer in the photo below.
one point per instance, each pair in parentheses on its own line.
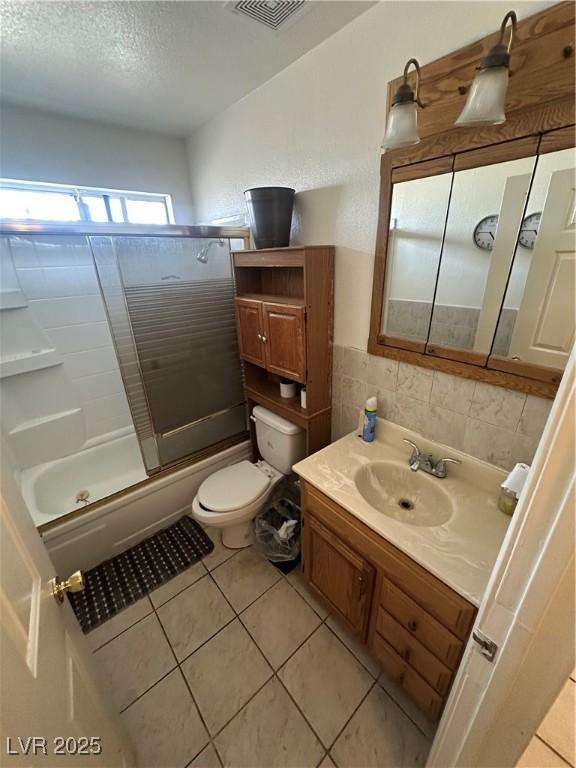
(448,607)
(413,652)
(443,644)
(425,697)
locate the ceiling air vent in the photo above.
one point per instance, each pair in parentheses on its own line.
(273,13)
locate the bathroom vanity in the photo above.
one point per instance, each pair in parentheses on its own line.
(400,556)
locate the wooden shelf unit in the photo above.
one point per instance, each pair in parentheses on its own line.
(284,314)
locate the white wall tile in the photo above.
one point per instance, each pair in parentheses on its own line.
(24,252)
(382,372)
(452,392)
(494,424)
(71,281)
(64,251)
(98,385)
(409,412)
(415,381)
(534,416)
(355,362)
(489,443)
(33,283)
(58,277)
(496,405)
(524,448)
(386,403)
(91,361)
(78,338)
(353,392)
(106,409)
(445,426)
(51,313)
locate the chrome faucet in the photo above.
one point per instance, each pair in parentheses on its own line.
(426,462)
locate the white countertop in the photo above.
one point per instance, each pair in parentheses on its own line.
(461,552)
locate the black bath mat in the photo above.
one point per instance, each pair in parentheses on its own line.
(117,583)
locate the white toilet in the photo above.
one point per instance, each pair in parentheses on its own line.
(232,497)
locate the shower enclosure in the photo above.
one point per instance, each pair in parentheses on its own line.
(118,355)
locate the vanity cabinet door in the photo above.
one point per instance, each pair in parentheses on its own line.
(284,336)
(250,330)
(343,578)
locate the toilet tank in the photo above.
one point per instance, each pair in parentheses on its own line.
(281,443)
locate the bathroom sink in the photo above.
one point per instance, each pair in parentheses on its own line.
(410,497)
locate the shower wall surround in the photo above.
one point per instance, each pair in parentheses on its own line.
(57,278)
(494,424)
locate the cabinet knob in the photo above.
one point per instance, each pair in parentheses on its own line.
(412,625)
(406,654)
(264,339)
(260,336)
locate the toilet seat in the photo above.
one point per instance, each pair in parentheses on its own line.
(232,488)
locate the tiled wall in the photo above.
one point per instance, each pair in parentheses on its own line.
(497,425)
(451,326)
(58,278)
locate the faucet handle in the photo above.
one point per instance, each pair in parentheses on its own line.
(415,448)
(440,465)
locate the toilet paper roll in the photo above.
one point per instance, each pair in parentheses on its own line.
(516,479)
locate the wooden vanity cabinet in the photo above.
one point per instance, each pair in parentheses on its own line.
(343,578)
(413,624)
(272,335)
(250,329)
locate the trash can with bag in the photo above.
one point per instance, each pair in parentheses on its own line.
(277,532)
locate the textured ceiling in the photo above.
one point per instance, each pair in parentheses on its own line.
(162,66)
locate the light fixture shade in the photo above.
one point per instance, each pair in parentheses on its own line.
(402,126)
(486,100)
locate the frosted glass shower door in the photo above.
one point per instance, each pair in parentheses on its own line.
(170,303)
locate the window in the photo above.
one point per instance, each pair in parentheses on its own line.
(60,202)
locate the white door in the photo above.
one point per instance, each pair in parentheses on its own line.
(528,611)
(544,329)
(52,710)
(510,216)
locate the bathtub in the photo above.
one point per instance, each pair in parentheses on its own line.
(102,468)
(89,536)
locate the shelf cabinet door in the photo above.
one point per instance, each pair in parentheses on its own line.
(342,577)
(250,331)
(285,341)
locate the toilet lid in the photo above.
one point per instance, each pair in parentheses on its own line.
(233,487)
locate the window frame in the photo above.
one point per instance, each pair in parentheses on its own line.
(106,194)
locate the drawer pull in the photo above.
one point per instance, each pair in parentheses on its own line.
(406,654)
(412,625)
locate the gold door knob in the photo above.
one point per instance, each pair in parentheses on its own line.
(75,583)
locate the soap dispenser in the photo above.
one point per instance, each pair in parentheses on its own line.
(369,425)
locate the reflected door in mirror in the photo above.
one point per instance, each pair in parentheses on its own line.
(537,321)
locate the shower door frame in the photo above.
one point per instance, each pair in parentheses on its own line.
(23,227)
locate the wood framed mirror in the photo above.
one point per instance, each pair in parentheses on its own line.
(476,254)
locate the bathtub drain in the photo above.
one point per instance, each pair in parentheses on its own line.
(82,497)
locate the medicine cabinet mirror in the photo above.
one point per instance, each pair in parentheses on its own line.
(475,263)
(480,262)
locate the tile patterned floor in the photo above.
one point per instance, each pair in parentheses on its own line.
(233,664)
(554,744)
